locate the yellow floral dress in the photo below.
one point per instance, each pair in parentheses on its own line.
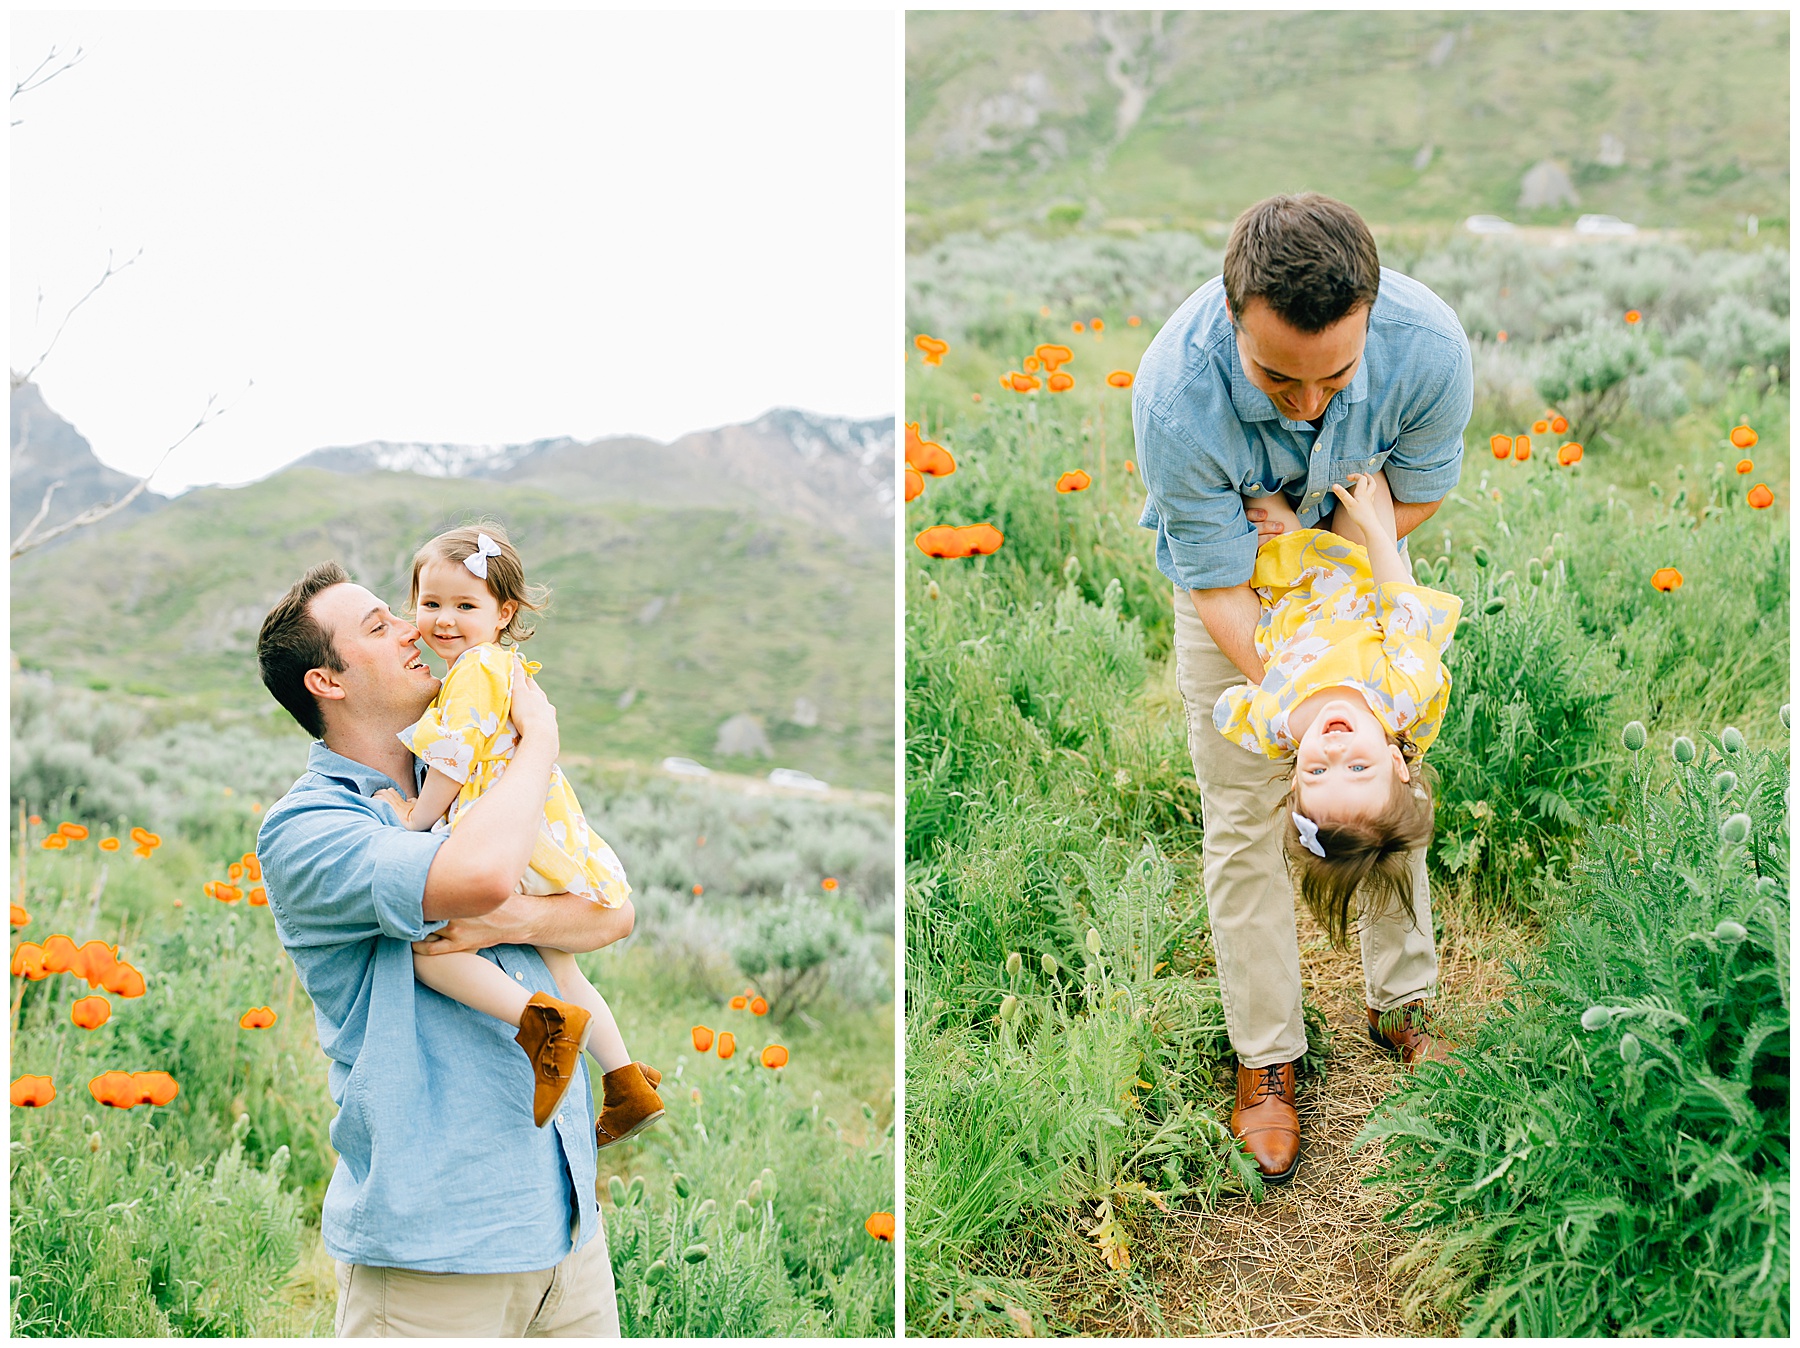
(467,733)
(1327,624)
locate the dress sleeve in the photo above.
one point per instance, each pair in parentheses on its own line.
(1414,613)
(1251,718)
(463,721)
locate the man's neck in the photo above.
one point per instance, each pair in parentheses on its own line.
(375,748)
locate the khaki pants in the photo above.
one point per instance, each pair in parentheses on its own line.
(573,1300)
(1249,896)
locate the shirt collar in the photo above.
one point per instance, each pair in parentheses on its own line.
(365,779)
(1252,404)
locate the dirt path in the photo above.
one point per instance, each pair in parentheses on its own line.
(1314,1258)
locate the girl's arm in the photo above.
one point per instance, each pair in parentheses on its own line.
(437,795)
(1363,508)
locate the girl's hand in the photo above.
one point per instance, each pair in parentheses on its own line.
(1363,506)
(402,806)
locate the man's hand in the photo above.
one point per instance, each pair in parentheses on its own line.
(559,921)
(1272,515)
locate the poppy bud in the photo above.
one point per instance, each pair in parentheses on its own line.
(1014,964)
(741,1216)
(1732,739)
(1009,1007)
(754,1194)
(1656,490)
(1786,718)
(1766,885)
(705,1210)
(1596,1018)
(696,1253)
(931,589)
(1049,963)
(1725,783)
(1482,557)
(616,1187)
(1735,829)
(1093,942)
(278,1163)
(93,1142)
(1629,1047)
(1534,572)
(656,1272)
(1682,750)
(1633,735)
(1495,604)
(1729,932)
(767,1180)
(683,1185)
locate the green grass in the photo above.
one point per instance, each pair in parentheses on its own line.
(697,615)
(200,1217)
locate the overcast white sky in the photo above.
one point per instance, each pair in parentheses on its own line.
(463,227)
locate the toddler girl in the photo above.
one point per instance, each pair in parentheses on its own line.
(468,598)
(1354,694)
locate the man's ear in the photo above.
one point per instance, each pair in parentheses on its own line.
(325,683)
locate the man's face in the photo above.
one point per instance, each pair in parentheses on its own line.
(384,680)
(1300,371)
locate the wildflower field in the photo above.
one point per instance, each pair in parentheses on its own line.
(1612,819)
(169,1129)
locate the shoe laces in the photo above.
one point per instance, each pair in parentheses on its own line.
(1268,1084)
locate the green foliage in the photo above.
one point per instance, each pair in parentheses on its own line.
(1586,376)
(788,947)
(1610,1157)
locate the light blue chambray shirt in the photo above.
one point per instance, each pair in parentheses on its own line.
(1207,437)
(440,1167)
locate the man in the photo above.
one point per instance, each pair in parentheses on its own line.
(1304,363)
(449,1213)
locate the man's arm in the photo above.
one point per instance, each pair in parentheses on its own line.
(557,921)
(1230,616)
(1409,515)
(479,865)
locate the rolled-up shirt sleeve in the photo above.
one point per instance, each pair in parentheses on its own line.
(340,870)
(1426,462)
(1204,541)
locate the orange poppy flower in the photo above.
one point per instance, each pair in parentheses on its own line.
(951,541)
(20,917)
(881,1226)
(774,1056)
(252,867)
(73,832)
(1569,454)
(235,871)
(1522,452)
(1043,311)
(142,851)
(739,1002)
(115,1090)
(1098,325)
(1077,326)
(1743,437)
(1745,466)
(1760,497)
(1632,316)
(90,1013)
(28,961)
(931,348)
(1033,365)
(1051,355)
(1119,378)
(915,485)
(828,884)
(258,897)
(703,1038)
(1521,441)
(1061,382)
(1558,425)
(975,397)
(758,1007)
(1540,427)
(257,1018)
(225,893)
(155,1088)
(699,890)
(141,836)
(56,842)
(109,844)
(1077,480)
(1019,383)
(35,820)
(1502,446)
(1665,579)
(927,456)
(727,1043)
(1130,467)
(30,1092)
(60,954)
(1133,321)
(123,980)
(93,962)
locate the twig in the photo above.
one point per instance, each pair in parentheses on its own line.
(94,514)
(110,272)
(32,81)
(42,510)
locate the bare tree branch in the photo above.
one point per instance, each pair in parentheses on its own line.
(111,271)
(94,514)
(37,519)
(37,79)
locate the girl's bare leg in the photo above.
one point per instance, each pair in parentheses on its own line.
(467,978)
(604,1042)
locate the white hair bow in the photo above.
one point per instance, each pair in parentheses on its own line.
(477,561)
(1309,835)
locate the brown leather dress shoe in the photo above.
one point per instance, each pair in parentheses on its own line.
(1409,1031)
(550,1032)
(1267,1121)
(629,1105)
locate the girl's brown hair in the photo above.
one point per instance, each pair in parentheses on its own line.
(1373,856)
(505,574)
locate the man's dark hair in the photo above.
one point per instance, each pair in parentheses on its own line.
(292,641)
(1309,258)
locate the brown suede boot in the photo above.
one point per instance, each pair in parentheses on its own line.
(550,1032)
(1409,1032)
(1267,1120)
(628,1105)
(651,1075)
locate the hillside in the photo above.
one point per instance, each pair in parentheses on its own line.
(1668,119)
(47,449)
(665,621)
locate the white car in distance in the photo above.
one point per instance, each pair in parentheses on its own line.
(1604,224)
(685,767)
(793,777)
(1487,224)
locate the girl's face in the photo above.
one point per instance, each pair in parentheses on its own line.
(1345,766)
(456,610)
